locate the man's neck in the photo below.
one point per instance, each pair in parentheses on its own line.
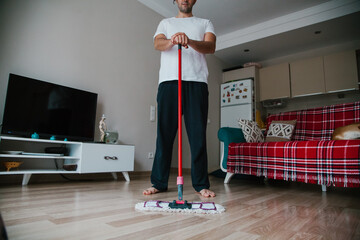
(184,15)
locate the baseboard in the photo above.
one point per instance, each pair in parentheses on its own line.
(51,178)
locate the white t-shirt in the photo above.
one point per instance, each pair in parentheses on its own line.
(194,67)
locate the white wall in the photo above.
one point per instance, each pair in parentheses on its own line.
(102,46)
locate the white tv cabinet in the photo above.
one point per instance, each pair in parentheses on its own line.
(89,157)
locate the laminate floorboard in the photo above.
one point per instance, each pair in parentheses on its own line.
(104,209)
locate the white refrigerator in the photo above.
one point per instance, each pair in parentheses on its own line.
(237,102)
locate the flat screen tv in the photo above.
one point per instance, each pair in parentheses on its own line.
(49,110)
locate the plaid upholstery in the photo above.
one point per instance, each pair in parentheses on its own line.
(318,160)
(319,123)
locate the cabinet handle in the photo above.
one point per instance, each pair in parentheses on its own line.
(110,158)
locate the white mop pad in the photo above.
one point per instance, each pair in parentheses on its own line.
(196,207)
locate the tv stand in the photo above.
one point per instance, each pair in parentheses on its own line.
(86,157)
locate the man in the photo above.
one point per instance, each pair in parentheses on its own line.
(198,38)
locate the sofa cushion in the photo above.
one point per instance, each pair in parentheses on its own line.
(280,131)
(251,131)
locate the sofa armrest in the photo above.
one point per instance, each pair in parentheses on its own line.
(226,136)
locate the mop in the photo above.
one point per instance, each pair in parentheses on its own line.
(180,205)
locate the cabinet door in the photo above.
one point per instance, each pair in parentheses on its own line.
(106,158)
(274,82)
(242,73)
(341,71)
(307,77)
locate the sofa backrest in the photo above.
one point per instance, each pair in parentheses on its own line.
(319,123)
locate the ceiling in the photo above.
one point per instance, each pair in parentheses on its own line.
(272,28)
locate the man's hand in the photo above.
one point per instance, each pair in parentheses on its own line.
(180,38)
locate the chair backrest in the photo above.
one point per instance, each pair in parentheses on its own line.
(319,123)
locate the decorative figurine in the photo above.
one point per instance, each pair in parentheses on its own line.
(35,136)
(102,127)
(111,137)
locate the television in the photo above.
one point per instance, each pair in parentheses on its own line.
(49,109)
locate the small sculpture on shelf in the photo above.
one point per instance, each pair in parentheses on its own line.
(13,164)
(102,128)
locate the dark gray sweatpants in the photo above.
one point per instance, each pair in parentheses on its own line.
(195,111)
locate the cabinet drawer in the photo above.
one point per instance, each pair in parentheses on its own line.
(107,158)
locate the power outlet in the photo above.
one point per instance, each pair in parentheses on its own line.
(150,155)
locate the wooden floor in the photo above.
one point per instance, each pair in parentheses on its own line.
(105,210)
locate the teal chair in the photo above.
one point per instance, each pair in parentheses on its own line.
(226,136)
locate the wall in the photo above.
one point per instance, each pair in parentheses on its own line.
(102,46)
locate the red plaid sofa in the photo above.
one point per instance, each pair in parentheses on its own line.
(311,156)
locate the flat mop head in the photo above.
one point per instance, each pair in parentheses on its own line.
(180,204)
(196,207)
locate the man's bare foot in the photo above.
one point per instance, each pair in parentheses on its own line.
(150,190)
(207,193)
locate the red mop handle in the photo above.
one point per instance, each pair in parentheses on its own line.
(179,117)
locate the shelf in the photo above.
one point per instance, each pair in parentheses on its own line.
(21,156)
(37,140)
(36,171)
(89,157)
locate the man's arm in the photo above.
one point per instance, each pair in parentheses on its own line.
(207,46)
(161,43)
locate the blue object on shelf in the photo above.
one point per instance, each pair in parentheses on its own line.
(65,139)
(35,136)
(52,138)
